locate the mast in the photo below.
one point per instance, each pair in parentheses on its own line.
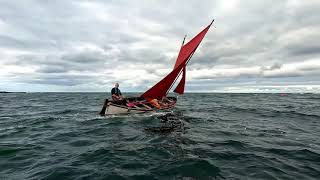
(187,50)
(183,41)
(179,73)
(184,38)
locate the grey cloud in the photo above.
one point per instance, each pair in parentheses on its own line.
(306,49)
(273,67)
(53,69)
(51,38)
(58,79)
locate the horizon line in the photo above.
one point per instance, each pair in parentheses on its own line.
(196,92)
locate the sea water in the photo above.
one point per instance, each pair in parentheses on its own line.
(214,136)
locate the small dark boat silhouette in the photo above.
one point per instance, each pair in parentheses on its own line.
(155,98)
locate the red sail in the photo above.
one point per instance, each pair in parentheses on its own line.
(180,88)
(180,49)
(191,46)
(161,89)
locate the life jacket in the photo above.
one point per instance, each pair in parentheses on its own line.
(154,103)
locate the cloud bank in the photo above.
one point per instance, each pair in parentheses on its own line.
(81,45)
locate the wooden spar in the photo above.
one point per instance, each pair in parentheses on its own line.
(105,105)
(185,36)
(211,22)
(183,40)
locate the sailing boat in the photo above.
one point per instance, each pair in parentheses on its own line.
(155,98)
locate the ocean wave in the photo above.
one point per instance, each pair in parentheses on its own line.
(238,136)
(188,168)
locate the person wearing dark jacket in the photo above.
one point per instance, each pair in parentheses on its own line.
(116,93)
(116,97)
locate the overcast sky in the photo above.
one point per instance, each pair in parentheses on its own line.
(78,45)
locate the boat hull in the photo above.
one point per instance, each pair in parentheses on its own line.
(113,109)
(116,108)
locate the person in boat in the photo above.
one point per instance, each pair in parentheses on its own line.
(116,97)
(154,103)
(116,93)
(163,103)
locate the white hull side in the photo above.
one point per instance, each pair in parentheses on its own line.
(112,110)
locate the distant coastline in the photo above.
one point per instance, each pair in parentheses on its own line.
(11,92)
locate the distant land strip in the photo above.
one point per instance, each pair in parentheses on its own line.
(11,92)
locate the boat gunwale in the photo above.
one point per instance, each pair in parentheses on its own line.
(140,110)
